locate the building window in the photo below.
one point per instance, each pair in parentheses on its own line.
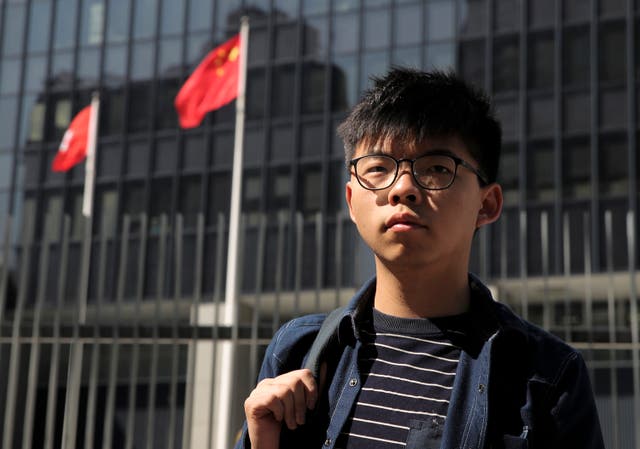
(612,61)
(540,171)
(376,29)
(506,14)
(576,57)
(440,20)
(576,168)
(473,17)
(542,13)
(541,61)
(577,111)
(282,148)
(407,27)
(282,95)
(506,73)
(509,176)
(542,116)
(613,165)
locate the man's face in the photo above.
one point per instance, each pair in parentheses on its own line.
(410,227)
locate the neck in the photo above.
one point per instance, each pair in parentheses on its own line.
(425,294)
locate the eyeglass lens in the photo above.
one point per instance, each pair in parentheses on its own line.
(430,171)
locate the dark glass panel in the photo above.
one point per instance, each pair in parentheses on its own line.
(312,139)
(109,160)
(200,15)
(316,36)
(144,18)
(509,175)
(258,46)
(542,13)
(281,143)
(279,190)
(576,57)
(613,165)
(542,117)
(612,7)
(310,188)
(313,87)
(345,33)
(508,113)
(541,61)
(441,56)
(286,41)
(189,201)
(13,28)
(139,107)
(407,26)
(172,17)
(142,61)
(35,73)
(92,22)
(345,5)
(115,65)
(112,112)
(576,168)
(310,7)
(472,61)
(170,58)
(255,93)
(254,146)
(282,95)
(613,108)
(88,66)
(441,20)
(222,148)
(473,17)
(39,20)
(577,111)
(506,14)
(165,155)
(287,7)
(61,76)
(218,196)
(195,152)
(10,76)
(137,155)
(344,84)
(540,171)
(9,112)
(407,56)
(64,32)
(575,10)
(118,17)
(377,29)
(506,74)
(612,60)
(373,64)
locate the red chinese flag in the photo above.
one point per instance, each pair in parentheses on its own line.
(212,84)
(73,148)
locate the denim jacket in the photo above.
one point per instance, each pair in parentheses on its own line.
(516,386)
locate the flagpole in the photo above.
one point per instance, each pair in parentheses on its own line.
(90,163)
(230,316)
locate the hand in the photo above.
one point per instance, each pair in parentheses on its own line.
(274,401)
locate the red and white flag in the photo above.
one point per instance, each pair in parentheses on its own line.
(73,148)
(213,84)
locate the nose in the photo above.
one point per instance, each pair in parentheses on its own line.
(405,188)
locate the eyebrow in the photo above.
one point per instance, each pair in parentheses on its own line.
(432,151)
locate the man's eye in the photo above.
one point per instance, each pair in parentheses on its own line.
(377,169)
(438,170)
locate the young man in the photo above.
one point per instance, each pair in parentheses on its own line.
(423,356)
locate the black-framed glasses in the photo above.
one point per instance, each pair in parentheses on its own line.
(433,171)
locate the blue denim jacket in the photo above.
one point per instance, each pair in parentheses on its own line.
(516,386)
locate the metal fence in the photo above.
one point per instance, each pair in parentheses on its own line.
(114,339)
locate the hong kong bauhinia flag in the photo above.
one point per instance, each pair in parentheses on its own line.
(212,84)
(73,148)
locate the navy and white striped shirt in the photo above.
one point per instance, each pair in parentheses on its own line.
(407,369)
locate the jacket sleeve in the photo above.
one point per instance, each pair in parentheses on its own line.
(286,352)
(575,413)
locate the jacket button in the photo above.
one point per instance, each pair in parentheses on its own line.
(327,442)
(353,382)
(481,388)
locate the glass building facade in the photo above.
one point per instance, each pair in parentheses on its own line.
(565,78)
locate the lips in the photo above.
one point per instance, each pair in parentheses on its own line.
(402,221)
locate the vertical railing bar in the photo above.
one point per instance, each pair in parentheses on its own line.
(135,355)
(633,311)
(566,256)
(195,324)
(611,312)
(279,271)
(319,257)
(54,368)
(14,357)
(338,258)
(34,354)
(153,380)
(74,377)
(299,221)
(255,323)
(524,294)
(544,238)
(217,297)
(89,433)
(178,235)
(109,415)
(4,273)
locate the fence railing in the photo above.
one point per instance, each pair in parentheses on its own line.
(114,339)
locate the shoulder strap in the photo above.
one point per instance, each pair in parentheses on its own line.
(327,337)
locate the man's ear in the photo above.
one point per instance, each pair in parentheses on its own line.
(347,194)
(491,205)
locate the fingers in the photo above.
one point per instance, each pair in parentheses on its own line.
(285,398)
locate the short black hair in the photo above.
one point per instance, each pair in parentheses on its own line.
(411,105)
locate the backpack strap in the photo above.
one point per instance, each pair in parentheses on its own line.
(326,338)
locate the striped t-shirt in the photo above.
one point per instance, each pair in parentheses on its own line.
(407,369)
